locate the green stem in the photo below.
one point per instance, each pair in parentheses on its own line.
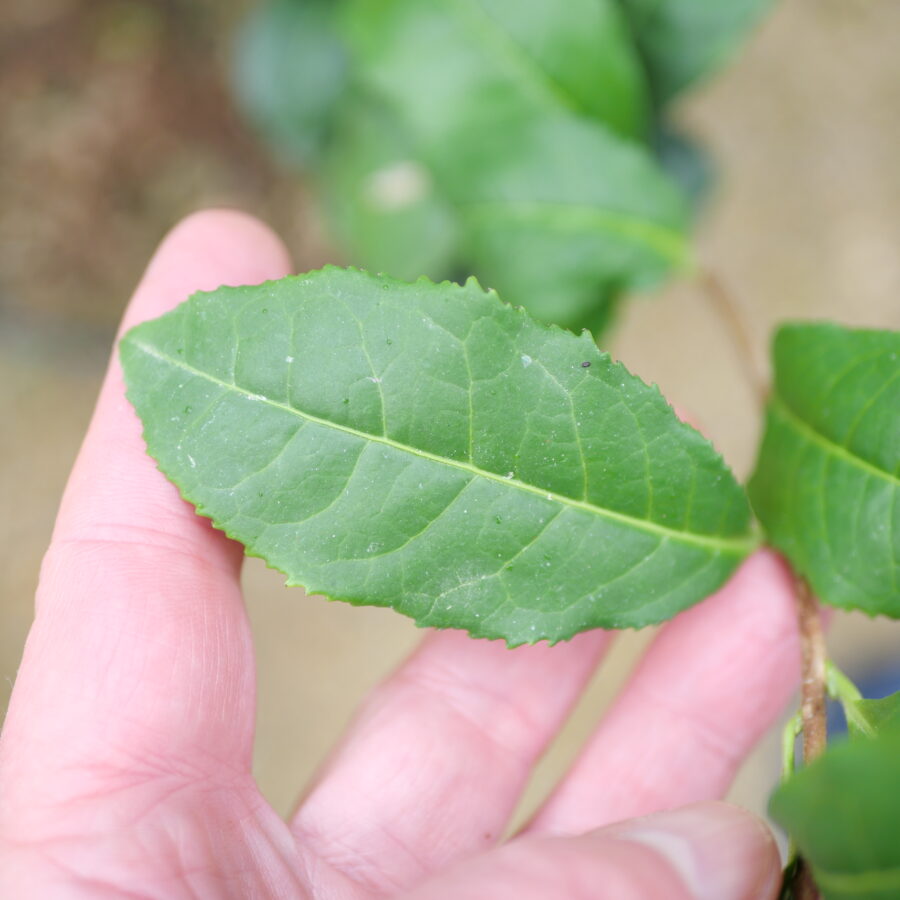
(842,689)
(734,321)
(792,729)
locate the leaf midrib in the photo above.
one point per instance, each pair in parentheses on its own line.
(870,879)
(737,546)
(666,242)
(519,62)
(828,445)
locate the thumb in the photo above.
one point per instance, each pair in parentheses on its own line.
(714,849)
(710,851)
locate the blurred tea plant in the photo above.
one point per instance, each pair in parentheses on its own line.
(528,144)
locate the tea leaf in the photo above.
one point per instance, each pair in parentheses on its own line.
(871,716)
(530,123)
(842,811)
(429,448)
(289,72)
(449,63)
(682,40)
(383,203)
(826,481)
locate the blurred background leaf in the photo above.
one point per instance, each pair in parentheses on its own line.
(519,144)
(289,72)
(684,40)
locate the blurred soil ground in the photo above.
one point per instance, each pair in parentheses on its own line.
(116,120)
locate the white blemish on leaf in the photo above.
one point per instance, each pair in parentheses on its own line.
(397,186)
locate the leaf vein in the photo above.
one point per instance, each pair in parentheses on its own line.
(734,545)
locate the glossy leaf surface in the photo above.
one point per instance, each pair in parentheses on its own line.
(430,448)
(826,480)
(843,813)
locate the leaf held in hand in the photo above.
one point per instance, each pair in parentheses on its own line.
(429,448)
(826,481)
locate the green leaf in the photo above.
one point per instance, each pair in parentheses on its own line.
(457,64)
(430,448)
(557,210)
(683,40)
(843,813)
(560,216)
(289,71)
(686,162)
(826,480)
(871,716)
(383,203)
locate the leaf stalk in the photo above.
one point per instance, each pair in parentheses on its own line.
(813,709)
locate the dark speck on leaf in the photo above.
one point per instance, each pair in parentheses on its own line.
(586,364)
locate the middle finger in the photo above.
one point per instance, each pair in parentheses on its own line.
(436,760)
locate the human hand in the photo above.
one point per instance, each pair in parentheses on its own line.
(125,758)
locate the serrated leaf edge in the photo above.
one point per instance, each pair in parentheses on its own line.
(739,547)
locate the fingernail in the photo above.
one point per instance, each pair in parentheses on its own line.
(719,851)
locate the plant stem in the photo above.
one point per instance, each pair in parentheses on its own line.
(735,322)
(842,689)
(788,745)
(788,755)
(813,690)
(813,711)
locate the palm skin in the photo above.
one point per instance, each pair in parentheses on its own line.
(125,758)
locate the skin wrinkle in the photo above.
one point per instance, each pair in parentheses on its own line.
(704,730)
(97,546)
(570,868)
(392,703)
(142,821)
(361,865)
(511,727)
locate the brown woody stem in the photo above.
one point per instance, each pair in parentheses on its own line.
(813,698)
(734,321)
(813,692)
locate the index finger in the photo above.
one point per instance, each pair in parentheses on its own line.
(140,648)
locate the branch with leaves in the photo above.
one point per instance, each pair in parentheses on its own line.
(429,448)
